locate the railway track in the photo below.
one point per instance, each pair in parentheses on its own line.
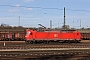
(36,46)
(46,55)
(44,47)
(23,51)
(23,45)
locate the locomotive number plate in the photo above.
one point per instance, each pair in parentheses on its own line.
(55,35)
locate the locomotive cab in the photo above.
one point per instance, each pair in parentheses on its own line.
(30,35)
(78,36)
(71,36)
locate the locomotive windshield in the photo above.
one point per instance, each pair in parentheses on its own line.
(27,32)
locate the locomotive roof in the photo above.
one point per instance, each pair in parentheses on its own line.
(68,30)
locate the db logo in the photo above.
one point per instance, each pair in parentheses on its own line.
(55,35)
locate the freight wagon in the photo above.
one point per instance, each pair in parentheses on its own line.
(33,36)
(85,36)
(12,36)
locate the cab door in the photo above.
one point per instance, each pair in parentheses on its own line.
(34,34)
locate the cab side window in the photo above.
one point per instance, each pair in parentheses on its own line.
(77,33)
(31,33)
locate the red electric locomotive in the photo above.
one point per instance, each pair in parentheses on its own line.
(33,36)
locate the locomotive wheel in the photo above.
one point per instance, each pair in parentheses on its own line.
(26,41)
(35,42)
(69,42)
(48,41)
(31,42)
(45,42)
(78,41)
(66,41)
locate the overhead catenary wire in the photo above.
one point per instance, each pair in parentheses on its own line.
(47,8)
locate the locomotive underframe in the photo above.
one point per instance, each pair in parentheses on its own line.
(52,41)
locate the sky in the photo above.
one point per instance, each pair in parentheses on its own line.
(30,13)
